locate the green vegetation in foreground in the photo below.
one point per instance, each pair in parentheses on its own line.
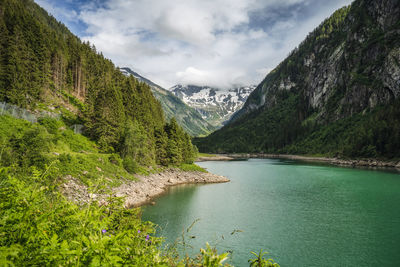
(38,226)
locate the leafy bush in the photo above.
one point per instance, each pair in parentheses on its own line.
(115,159)
(39,227)
(130,165)
(30,148)
(260,261)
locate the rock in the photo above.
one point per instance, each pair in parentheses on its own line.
(139,192)
(98,169)
(85,172)
(55,153)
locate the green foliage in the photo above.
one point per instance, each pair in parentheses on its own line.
(260,261)
(267,131)
(179,148)
(39,227)
(187,117)
(115,159)
(211,257)
(191,168)
(135,147)
(369,134)
(24,145)
(357,115)
(42,63)
(131,165)
(372,134)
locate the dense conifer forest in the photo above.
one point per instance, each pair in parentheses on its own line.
(43,64)
(60,82)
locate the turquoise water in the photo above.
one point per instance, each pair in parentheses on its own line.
(302,214)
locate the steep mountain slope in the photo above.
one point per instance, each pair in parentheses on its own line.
(215,105)
(188,118)
(44,66)
(336,94)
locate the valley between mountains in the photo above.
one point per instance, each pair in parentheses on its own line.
(85,139)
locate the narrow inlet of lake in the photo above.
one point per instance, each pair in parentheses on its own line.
(302,214)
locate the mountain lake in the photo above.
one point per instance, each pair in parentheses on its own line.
(302,214)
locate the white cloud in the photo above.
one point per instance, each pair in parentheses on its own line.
(205,42)
(57,11)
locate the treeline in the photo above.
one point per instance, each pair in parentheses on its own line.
(374,133)
(42,62)
(357,114)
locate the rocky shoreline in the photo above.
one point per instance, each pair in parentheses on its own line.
(371,163)
(137,193)
(217,157)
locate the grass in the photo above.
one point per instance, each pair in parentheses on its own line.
(191,168)
(91,167)
(69,153)
(74,154)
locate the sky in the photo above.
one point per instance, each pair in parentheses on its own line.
(219,43)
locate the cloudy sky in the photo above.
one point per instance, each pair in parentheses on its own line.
(204,42)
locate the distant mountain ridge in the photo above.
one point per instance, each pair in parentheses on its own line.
(337,94)
(127,71)
(188,118)
(215,105)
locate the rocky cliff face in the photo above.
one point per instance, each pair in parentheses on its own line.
(343,78)
(350,63)
(215,105)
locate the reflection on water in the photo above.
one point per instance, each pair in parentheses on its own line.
(303,214)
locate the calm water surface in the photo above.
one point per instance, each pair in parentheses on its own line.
(302,214)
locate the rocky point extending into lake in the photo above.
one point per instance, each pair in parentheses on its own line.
(137,193)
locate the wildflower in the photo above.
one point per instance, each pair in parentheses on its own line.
(147,237)
(104,231)
(138,231)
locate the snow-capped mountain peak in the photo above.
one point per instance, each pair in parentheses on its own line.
(215,105)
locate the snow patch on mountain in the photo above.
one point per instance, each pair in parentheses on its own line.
(214,105)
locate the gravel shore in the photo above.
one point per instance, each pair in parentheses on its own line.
(137,193)
(373,163)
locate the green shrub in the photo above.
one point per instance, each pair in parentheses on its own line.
(130,165)
(52,125)
(30,148)
(39,227)
(260,261)
(116,159)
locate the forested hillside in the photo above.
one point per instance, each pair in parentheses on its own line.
(187,117)
(44,66)
(337,94)
(45,69)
